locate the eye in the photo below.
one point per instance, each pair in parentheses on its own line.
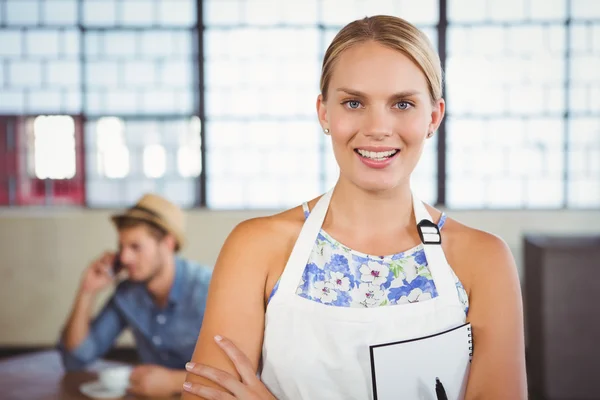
(353,104)
(403,105)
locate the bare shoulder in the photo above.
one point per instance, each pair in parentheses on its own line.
(268,234)
(269,240)
(475,254)
(476,241)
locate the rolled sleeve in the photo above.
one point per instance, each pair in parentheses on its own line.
(80,357)
(104,330)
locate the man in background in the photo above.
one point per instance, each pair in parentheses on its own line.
(162,299)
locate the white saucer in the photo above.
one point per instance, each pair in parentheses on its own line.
(96,390)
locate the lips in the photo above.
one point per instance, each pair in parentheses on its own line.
(377,158)
(377,155)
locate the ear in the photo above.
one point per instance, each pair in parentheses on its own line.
(437,115)
(170,242)
(322,112)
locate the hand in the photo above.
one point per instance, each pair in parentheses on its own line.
(153,380)
(98,275)
(250,388)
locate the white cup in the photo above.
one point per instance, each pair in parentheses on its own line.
(116,378)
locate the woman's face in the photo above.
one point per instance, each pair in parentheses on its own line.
(378,112)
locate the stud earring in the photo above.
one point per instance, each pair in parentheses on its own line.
(326,131)
(430,134)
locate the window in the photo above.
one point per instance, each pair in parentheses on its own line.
(240,130)
(39,58)
(8,162)
(52,150)
(523,108)
(41,160)
(127,157)
(583,123)
(129,69)
(112,153)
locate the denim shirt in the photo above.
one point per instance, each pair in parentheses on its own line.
(164,336)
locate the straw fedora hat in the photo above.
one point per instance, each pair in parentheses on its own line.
(158,211)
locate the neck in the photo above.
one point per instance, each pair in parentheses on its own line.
(160,284)
(372,212)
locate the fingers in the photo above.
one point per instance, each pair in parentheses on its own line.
(103,266)
(240,360)
(136,381)
(221,378)
(137,389)
(135,376)
(106,258)
(206,392)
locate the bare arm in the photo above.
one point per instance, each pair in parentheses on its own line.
(235,306)
(496,315)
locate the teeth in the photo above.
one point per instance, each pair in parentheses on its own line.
(380,155)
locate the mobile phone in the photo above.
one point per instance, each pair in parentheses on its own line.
(117,265)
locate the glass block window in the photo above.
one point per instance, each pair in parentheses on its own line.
(52,149)
(40,70)
(522,89)
(141,100)
(522,115)
(113,62)
(140,72)
(8,161)
(129,157)
(41,160)
(262,60)
(583,168)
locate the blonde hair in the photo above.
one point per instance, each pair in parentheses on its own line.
(394,33)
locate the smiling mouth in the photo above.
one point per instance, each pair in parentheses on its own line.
(377,155)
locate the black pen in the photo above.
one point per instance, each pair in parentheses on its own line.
(439,390)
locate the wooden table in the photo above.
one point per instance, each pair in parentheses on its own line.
(41,376)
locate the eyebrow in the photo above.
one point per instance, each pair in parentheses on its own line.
(406,93)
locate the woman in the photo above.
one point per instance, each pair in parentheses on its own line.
(305,292)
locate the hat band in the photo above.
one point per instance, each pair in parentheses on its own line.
(147,211)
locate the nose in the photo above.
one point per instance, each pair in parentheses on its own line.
(378,123)
(125,255)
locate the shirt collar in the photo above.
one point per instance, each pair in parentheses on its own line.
(176,292)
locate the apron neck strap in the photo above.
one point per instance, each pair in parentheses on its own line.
(431,237)
(292,274)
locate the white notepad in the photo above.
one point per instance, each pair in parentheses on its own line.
(408,369)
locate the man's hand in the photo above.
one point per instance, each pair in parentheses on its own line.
(154,380)
(98,275)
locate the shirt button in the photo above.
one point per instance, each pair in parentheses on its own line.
(161,319)
(156,340)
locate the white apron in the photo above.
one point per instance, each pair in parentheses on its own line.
(314,351)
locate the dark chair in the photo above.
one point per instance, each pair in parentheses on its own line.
(562,314)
